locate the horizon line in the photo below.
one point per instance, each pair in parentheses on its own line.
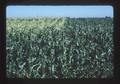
(56,17)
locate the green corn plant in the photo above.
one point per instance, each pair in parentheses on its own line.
(59,47)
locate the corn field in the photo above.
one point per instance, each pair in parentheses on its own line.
(59,47)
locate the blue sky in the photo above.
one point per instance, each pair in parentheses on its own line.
(56,11)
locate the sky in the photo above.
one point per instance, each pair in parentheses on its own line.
(59,11)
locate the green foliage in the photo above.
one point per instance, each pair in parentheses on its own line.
(59,47)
